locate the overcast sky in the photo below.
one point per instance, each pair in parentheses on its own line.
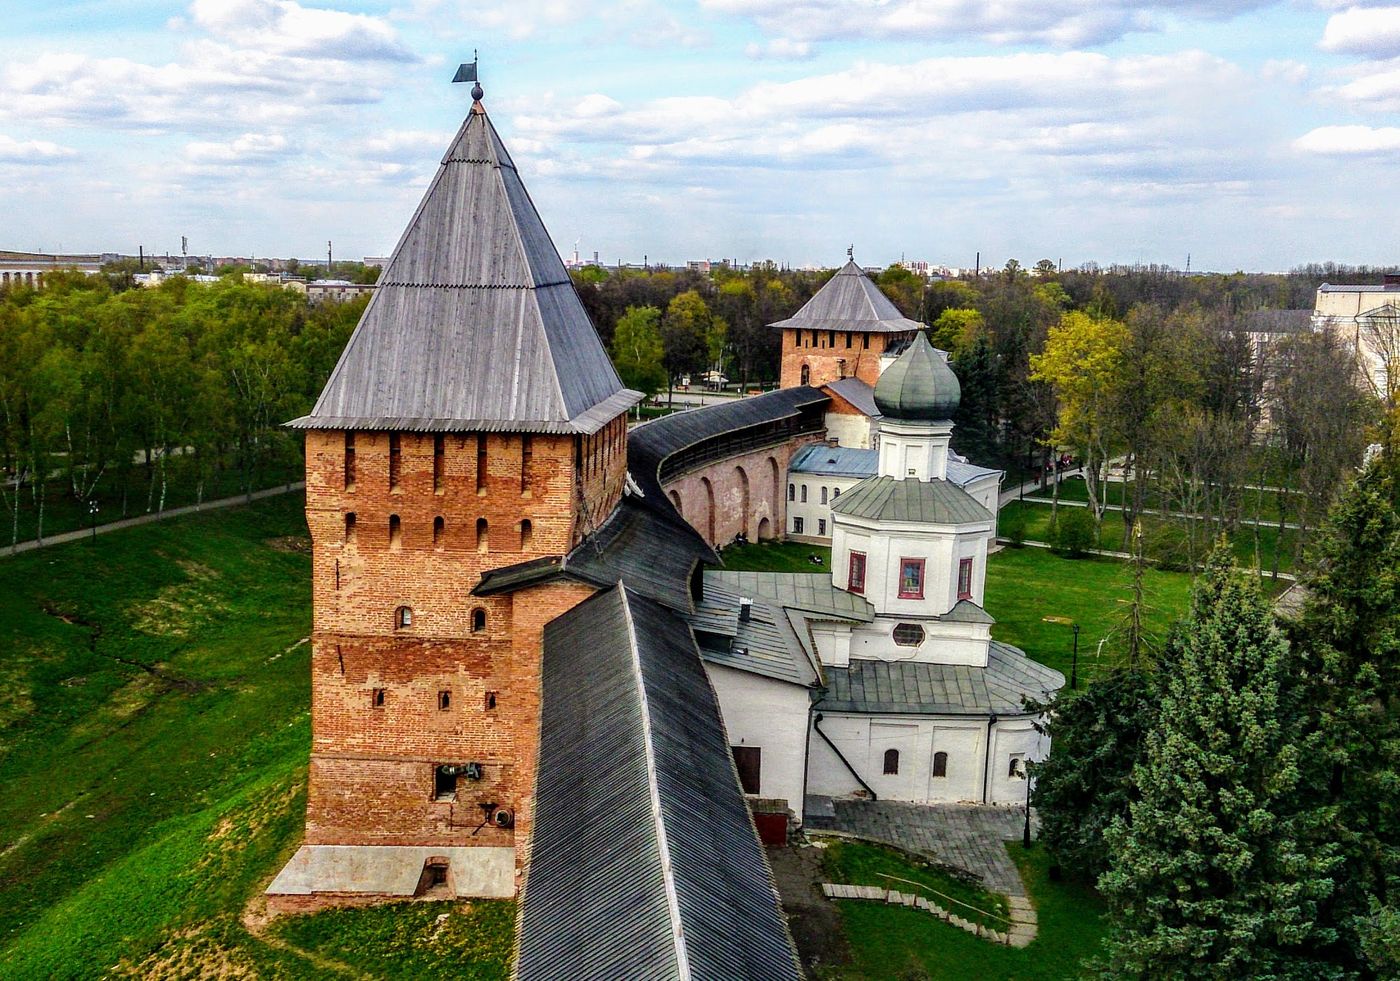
(1248,134)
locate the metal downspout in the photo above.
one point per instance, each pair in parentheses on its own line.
(817,728)
(987,758)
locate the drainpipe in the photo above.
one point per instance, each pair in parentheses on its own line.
(987,760)
(816,727)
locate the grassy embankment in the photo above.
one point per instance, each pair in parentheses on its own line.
(154,726)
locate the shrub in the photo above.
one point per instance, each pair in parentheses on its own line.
(1012,526)
(1073,532)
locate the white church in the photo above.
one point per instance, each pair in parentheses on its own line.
(878,678)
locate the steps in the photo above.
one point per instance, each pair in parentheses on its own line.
(1021,931)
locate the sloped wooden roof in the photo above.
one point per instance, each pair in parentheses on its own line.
(475,324)
(850,300)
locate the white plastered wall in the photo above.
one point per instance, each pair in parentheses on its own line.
(771,715)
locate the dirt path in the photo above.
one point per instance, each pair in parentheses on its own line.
(814,921)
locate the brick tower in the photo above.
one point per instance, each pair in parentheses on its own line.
(474,421)
(842,332)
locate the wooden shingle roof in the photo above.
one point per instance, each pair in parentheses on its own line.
(850,300)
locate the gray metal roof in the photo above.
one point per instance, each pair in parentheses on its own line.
(643,861)
(835,461)
(850,300)
(765,644)
(857,391)
(1376,288)
(962,473)
(811,592)
(920,688)
(966,611)
(926,501)
(475,324)
(656,557)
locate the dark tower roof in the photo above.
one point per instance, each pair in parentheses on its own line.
(850,300)
(475,324)
(919,385)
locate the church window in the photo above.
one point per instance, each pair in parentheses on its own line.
(940,764)
(403,618)
(911,578)
(376,698)
(792,492)
(908,634)
(444,783)
(439,525)
(439,459)
(821,526)
(481,463)
(349,461)
(395,461)
(806,375)
(527,534)
(395,532)
(891,762)
(804,493)
(444,700)
(483,535)
(349,527)
(965,579)
(797,526)
(855,573)
(478,620)
(527,455)
(823,495)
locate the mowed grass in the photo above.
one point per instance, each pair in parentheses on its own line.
(777,557)
(154,729)
(890,942)
(858,863)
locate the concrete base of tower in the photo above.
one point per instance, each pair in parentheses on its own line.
(353,875)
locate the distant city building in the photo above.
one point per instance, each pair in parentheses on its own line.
(30,268)
(336,290)
(1366,318)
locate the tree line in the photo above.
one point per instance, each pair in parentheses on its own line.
(118,401)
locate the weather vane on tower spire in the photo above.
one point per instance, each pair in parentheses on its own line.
(467,73)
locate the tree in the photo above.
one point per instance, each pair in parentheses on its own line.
(977,423)
(637,350)
(685,333)
(1217,871)
(1349,636)
(955,329)
(1099,736)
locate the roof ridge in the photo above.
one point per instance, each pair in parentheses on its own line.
(668,879)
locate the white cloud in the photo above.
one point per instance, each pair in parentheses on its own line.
(32,151)
(287,28)
(1351,141)
(1374,32)
(1065,24)
(248,148)
(780,49)
(1377,91)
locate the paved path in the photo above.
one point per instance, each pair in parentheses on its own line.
(145,519)
(1118,508)
(969,836)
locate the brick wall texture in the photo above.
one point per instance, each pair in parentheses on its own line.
(832,354)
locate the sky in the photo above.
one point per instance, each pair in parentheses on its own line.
(1245,134)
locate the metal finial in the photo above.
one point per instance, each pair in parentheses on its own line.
(851,252)
(477,92)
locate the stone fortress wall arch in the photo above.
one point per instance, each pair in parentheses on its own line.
(740,494)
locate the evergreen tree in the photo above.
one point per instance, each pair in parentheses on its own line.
(1218,872)
(975,430)
(1349,632)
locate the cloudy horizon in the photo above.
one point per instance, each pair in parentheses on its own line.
(1245,133)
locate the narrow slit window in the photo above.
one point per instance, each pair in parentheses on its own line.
(349,527)
(940,764)
(395,461)
(823,495)
(439,526)
(403,618)
(490,701)
(483,535)
(444,700)
(481,463)
(439,463)
(821,526)
(349,461)
(478,620)
(891,762)
(965,579)
(865,341)
(376,698)
(527,534)
(395,532)
(804,493)
(806,374)
(527,456)
(792,492)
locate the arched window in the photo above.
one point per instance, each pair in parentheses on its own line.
(891,762)
(349,527)
(792,492)
(806,374)
(483,538)
(403,618)
(823,495)
(835,493)
(940,764)
(438,526)
(804,493)
(527,533)
(478,620)
(1016,767)
(908,634)
(395,532)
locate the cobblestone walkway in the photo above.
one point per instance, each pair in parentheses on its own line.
(966,835)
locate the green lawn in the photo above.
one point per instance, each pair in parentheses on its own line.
(895,942)
(776,557)
(1075,489)
(1025,585)
(858,863)
(154,729)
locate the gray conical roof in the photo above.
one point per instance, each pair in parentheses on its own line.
(919,385)
(475,324)
(850,300)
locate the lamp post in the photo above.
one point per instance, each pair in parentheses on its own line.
(1026,833)
(92,515)
(1074,661)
